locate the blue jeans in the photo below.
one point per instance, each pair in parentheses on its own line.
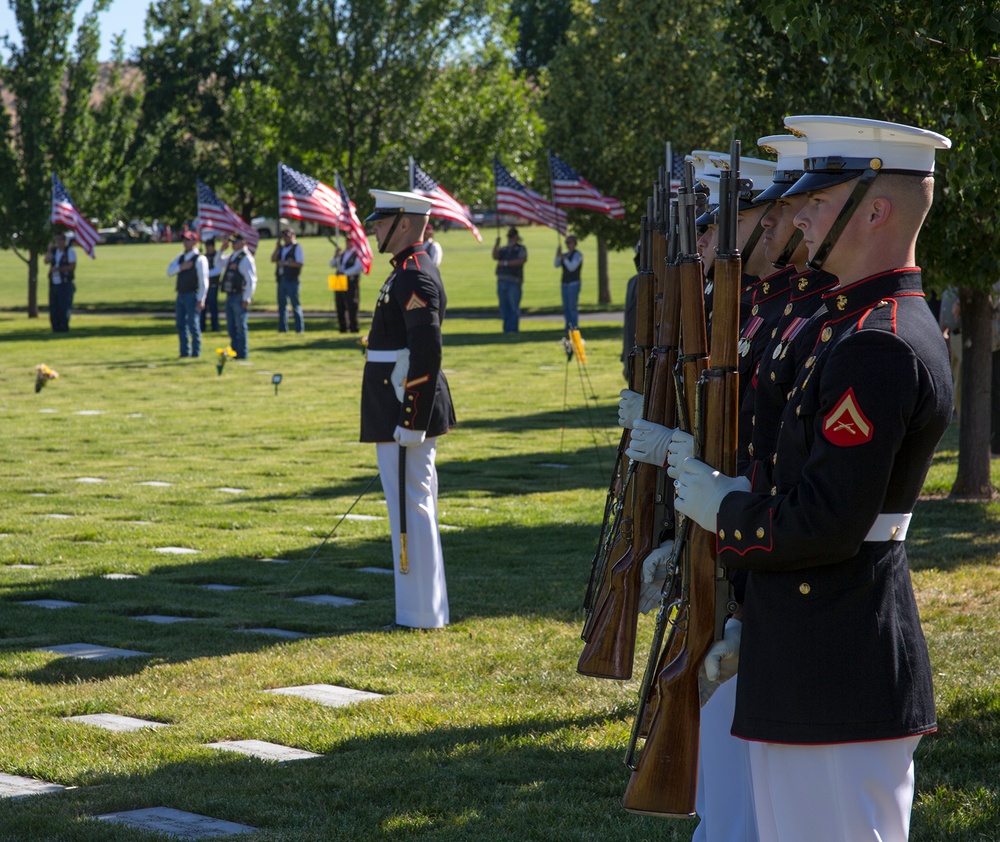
(238,325)
(60,305)
(571,302)
(188,324)
(211,309)
(288,293)
(510,304)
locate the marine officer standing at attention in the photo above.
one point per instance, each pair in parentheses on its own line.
(406,405)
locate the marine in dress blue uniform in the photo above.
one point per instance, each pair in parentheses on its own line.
(406,403)
(835,688)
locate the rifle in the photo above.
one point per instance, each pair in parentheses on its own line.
(609,633)
(664,780)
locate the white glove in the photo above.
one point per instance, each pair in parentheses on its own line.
(701,490)
(654,571)
(680,448)
(723,658)
(629,408)
(399,372)
(409,438)
(648,442)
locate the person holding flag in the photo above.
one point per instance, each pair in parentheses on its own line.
(61,257)
(348,263)
(406,405)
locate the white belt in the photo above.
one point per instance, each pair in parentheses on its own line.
(381,356)
(889,527)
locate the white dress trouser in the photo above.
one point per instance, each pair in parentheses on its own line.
(725,793)
(846,792)
(421,594)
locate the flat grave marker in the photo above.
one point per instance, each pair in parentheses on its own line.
(92,651)
(114,722)
(327,599)
(176,823)
(264,750)
(327,694)
(15,786)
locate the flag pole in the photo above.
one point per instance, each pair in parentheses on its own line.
(552,196)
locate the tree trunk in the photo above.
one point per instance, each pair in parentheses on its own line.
(973,480)
(603,283)
(32,284)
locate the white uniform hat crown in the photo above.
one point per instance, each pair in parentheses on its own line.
(841,148)
(391,202)
(790,152)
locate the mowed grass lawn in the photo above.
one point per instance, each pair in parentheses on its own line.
(485,731)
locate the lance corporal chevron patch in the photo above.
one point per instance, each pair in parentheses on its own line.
(846,425)
(415,302)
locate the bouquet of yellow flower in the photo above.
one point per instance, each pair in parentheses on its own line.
(43,374)
(224,356)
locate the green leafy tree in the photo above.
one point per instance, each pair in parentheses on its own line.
(55,126)
(631,76)
(541,29)
(207,102)
(935,64)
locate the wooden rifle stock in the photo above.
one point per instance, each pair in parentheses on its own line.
(609,633)
(664,780)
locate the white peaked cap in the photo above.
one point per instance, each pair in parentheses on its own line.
(759,172)
(703,162)
(790,151)
(390,202)
(841,148)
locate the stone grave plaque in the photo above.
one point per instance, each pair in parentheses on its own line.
(290,635)
(327,694)
(114,722)
(327,599)
(176,823)
(91,651)
(49,603)
(264,750)
(15,786)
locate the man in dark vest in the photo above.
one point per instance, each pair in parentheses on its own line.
(406,405)
(239,282)
(289,259)
(61,257)
(191,270)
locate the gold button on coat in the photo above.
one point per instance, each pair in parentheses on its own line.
(760,531)
(804,588)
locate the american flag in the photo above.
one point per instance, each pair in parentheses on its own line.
(444,205)
(64,212)
(570,190)
(217,216)
(676,169)
(349,222)
(302,197)
(514,197)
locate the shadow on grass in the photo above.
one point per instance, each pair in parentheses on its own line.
(530,780)
(493,572)
(948,534)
